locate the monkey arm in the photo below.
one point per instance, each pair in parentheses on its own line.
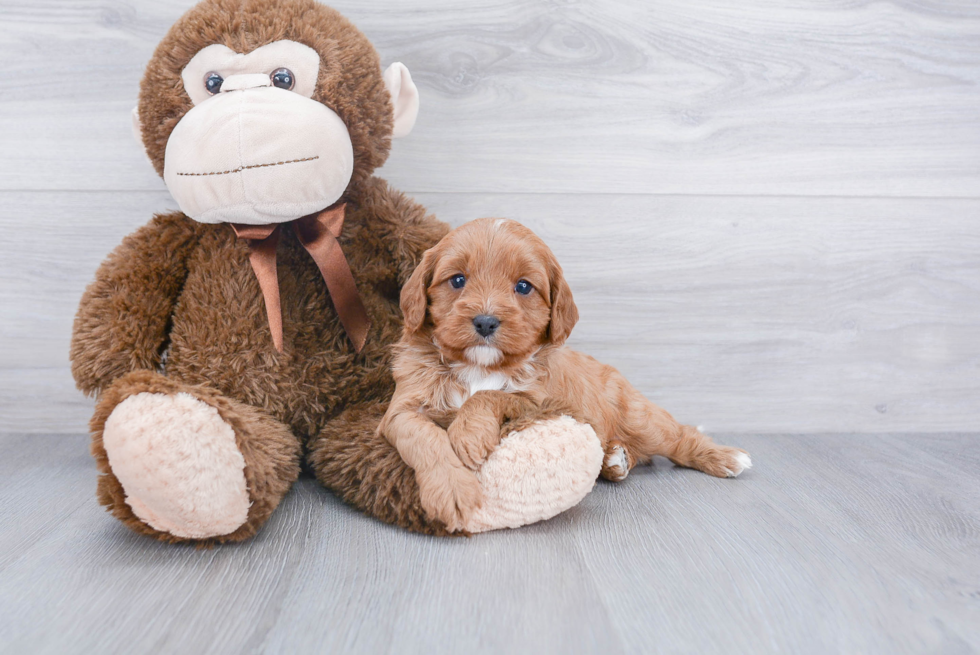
(124,316)
(410,231)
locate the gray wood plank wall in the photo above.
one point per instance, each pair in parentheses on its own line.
(769,212)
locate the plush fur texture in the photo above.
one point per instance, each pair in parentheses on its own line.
(350,81)
(270,451)
(546,463)
(536,473)
(179,464)
(187,289)
(350,457)
(176,312)
(176,308)
(456,384)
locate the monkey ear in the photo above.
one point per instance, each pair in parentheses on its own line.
(414,299)
(564,313)
(404,98)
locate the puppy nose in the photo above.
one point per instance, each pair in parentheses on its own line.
(486,324)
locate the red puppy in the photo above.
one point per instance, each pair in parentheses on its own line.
(486,314)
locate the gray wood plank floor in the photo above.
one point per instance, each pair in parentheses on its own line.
(832,543)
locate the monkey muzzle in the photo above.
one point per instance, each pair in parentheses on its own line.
(255,154)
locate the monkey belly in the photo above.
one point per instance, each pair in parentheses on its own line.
(220,334)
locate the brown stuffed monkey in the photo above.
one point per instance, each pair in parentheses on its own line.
(229,340)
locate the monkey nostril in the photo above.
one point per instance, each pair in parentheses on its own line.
(485,324)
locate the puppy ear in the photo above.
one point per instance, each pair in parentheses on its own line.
(564,313)
(414,300)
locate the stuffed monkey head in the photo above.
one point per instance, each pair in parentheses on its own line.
(263,111)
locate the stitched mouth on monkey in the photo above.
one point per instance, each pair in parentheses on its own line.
(253,149)
(257,133)
(226,163)
(245,168)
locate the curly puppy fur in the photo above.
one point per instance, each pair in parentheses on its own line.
(186,289)
(486,315)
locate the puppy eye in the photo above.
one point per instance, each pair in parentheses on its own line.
(523,287)
(458,281)
(283,78)
(212,82)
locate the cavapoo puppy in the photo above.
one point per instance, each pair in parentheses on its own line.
(486,313)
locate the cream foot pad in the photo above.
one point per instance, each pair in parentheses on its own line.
(537,473)
(178,463)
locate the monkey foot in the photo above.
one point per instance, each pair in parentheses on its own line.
(178,463)
(537,473)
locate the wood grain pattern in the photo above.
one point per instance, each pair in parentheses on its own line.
(616,96)
(731,190)
(832,543)
(741,314)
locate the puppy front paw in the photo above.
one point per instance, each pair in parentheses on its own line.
(474,438)
(450,495)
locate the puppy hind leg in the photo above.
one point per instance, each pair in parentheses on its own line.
(694,449)
(650,430)
(617,462)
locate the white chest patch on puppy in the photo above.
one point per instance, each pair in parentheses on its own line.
(478,378)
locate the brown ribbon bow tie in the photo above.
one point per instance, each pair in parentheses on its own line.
(318,233)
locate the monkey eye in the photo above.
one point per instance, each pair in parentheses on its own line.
(212,82)
(523,287)
(458,281)
(283,78)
